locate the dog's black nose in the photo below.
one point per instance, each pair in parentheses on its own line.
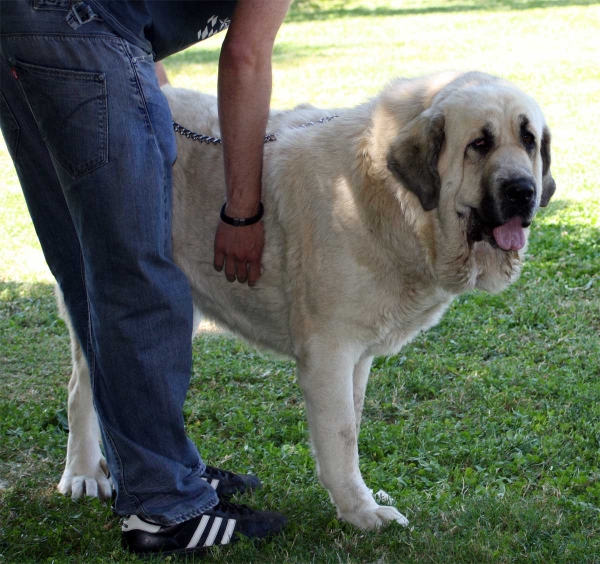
(519,192)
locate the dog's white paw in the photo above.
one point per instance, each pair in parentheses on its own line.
(387,514)
(91,481)
(375,517)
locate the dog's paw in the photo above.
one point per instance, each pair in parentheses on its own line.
(374,518)
(387,514)
(89,482)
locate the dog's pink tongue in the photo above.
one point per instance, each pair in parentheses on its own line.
(510,236)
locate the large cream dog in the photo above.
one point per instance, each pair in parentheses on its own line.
(374,223)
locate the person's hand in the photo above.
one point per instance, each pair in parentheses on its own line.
(239,249)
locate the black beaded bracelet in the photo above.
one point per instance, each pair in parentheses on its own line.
(239,222)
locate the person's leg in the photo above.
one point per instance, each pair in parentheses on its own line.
(44,197)
(95,101)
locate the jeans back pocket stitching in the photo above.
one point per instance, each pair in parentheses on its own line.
(75,171)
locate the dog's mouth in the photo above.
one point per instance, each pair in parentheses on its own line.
(508,236)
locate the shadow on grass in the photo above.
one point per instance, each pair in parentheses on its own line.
(311,10)
(560,242)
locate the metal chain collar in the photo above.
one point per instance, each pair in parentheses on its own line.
(177,128)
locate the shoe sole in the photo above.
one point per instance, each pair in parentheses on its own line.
(199,550)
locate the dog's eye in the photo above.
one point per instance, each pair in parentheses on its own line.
(528,139)
(481,144)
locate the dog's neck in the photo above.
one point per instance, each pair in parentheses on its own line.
(388,210)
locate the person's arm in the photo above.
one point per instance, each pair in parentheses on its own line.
(244,90)
(161,74)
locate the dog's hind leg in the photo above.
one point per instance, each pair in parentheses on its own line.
(325,375)
(360,377)
(196,321)
(86,472)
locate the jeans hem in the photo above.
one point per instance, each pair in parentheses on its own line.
(168,522)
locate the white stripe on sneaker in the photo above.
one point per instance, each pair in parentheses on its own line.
(198,532)
(210,539)
(228,531)
(214,482)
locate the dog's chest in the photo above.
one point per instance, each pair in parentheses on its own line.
(402,323)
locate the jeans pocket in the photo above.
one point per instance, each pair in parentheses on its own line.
(10,127)
(70,109)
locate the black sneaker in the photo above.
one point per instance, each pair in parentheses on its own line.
(218,526)
(227,483)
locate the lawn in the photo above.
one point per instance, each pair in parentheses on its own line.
(486,429)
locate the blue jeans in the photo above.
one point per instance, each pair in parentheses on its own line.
(90,135)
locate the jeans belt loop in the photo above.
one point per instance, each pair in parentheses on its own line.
(80,14)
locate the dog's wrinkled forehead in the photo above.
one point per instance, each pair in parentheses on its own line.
(501,108)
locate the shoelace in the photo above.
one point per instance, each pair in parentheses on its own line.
(221,474)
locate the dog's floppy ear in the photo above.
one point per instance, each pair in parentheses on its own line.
(413,157)
(548,184)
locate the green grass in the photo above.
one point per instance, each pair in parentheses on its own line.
(486,429)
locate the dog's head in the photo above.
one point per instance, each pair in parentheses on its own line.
(479,150)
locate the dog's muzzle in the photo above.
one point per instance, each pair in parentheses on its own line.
(503,214)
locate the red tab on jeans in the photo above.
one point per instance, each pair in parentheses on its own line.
(14,73)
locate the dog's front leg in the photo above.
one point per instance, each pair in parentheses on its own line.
(326,377)
(360,377)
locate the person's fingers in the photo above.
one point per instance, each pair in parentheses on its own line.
(219,260)
(241,270)
(230,268)
(253,272)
